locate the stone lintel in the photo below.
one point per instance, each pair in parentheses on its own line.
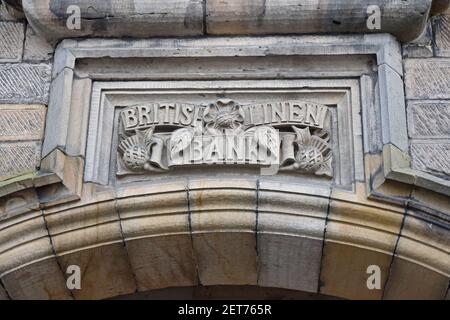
(141,18)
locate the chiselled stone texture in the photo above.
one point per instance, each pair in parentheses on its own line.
(429,119)
(442,36)
(36,47)
(432,157)
(427,78)
(21,122)
(18,158)
(24,83)
(11,41)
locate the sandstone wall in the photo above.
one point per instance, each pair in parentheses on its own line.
(26,63)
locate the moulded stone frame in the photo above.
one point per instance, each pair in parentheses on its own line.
(72,84)
(344,96)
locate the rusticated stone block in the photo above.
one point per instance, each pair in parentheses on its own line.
(427,78)
(11,41)
(18,158)
(36,47)
(432,157)
(24,83)
(429,119)
(21,122)
(442,36)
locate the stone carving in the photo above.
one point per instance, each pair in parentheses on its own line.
(157,137)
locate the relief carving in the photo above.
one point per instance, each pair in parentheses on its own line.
(157,137)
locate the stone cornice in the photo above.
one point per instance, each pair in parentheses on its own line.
(141,18)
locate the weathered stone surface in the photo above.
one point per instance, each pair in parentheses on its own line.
(160,262)
(43,280)
(427,78)
(141,18)
(3,293)
(429,119)
(290,234)
(18,203)
(36,48)
(442,36)
(433,157)
(405,20)
(440,6)
(156,230)
(24,240)
(423,241)
(105,272)
(18,158)
(223,222)
(11,41)
(359,233)
(21,122)
(422,47)
(117,18)
(24,83)
(9,14)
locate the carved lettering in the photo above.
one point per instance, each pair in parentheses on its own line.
(290,134)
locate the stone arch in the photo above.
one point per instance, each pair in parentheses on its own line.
(235,232)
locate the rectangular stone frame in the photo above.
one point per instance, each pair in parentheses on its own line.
(345,97)
(75,72)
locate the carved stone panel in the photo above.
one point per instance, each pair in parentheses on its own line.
(157,130)
(293,135)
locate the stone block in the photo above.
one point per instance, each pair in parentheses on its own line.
(117,18)
(291,226)
(36,48)
(429,119)
(155,227)
(160,262)
(358,236)
(223,223)
(105,271)
(442,36)
(313,16)
(22,122)
(432,157)
(9,13)
(23,240)
(24,83)
(43,280)
(421,267)
(11,41)
(18,158)
(427,78)
(84,226)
